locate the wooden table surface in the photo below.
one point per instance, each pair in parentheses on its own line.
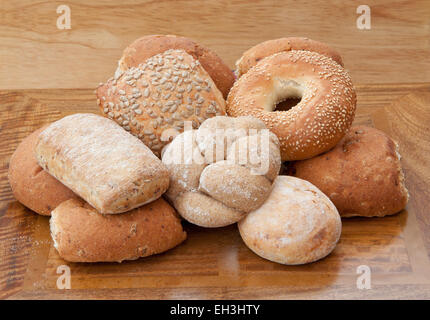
(46,73)
(214,263)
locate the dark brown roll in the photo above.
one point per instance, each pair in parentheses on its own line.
(362,175)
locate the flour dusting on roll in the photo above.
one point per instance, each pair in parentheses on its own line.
(210,185)
(102,163)
(297,224)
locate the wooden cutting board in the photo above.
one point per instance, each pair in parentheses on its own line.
(214,263)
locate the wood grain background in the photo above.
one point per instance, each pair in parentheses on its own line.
(35,54)
(47,73)
(215,263)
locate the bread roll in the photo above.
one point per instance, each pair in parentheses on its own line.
(31,185)
(81,234)
(153,100)
(211,185)
(362,175)
(105,165)
(297,224)
(148,46)
(318,121)
(267,48)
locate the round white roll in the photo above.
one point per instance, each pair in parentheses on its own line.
(297,224)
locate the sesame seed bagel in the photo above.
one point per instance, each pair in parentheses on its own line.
(264,49)
(148,46)
(211,185)
(321,118)
(153,100)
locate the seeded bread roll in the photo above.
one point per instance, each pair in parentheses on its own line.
(362,175)
(297,224)
(153,100)
(31,185)
(148,46)
(264,49)
(81,234)
(217,176)
(102,163)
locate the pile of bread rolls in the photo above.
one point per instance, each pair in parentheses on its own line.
(175,122)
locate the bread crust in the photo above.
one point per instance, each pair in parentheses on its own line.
(31,185)
(264,49)
(318,121)
(362,175)
(102,163)
(297,224)
(212,192)
(148,46)
(153,100)
(81,234)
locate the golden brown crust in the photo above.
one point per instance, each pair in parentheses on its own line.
(297,224)
(153,100)
(321,118)
(81,234)
(102,163)
(31,185)
(362,175)
(148,46)
(264,49)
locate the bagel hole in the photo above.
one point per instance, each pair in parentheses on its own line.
(287,103)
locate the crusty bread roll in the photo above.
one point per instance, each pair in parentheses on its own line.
(105,165)
(212,189)
(153,100)
(297,224)
(81,234)
(264,49)
(31,185)
(362,175)
(151,45)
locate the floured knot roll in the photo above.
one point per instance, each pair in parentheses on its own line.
(222,171)
(152,101)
